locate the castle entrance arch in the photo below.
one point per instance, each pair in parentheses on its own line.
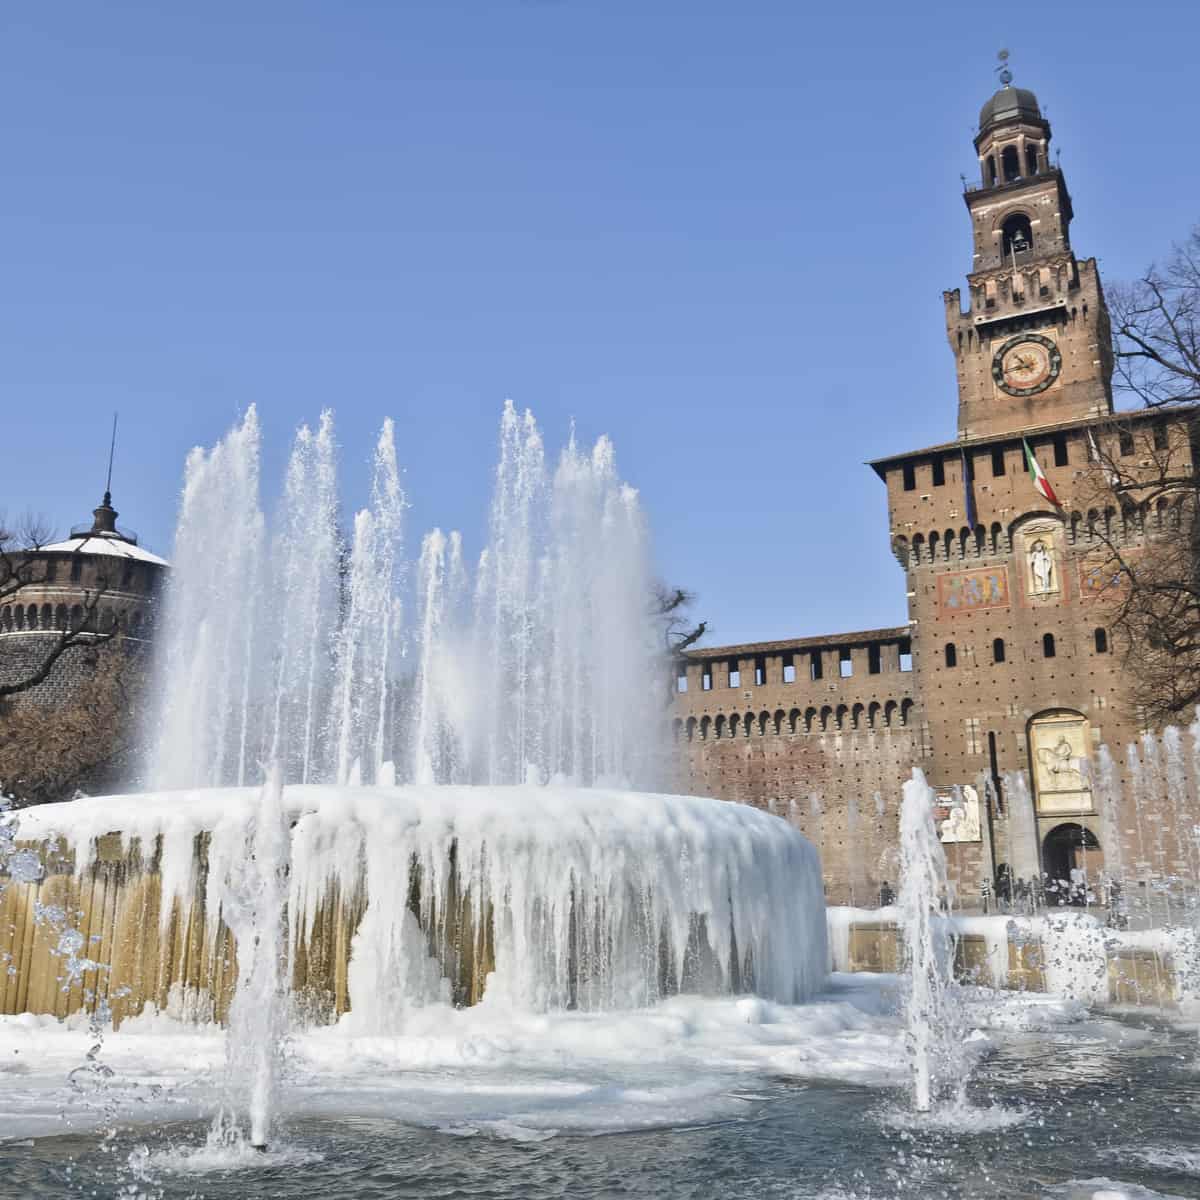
(1071,858)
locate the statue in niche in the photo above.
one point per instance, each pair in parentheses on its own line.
(1041,568)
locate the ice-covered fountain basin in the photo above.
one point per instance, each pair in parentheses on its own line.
(543,897)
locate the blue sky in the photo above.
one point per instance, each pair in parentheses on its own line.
(717,232)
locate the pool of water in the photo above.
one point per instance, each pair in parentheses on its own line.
(1065,1113)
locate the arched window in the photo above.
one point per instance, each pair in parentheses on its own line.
(905,709)
(19,613)
(1010,164)
(1017,235)
(1047,645)
(705,725)
(691,729)
(991,170)
(1101,637)
(951,655)
(998,650)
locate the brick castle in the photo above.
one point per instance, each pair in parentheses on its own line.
(1006,663)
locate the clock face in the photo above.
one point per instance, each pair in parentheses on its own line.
(1026,364)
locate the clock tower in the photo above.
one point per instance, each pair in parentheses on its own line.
(1033,345)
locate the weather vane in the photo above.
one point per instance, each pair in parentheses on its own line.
(1005,73)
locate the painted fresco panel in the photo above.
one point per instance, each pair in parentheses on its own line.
(966,591)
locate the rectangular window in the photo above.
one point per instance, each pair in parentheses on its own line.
(974,741)
(760,672)
(814,665)
(906,655)
(1160,435)
(939,472)
(872,660)
(76,568)
(51,570)
(998,461)
(735,674)
(910,477)
(681,681)
(1060,450)
(706,678)
(1126,443)
(845,664)
(789,669)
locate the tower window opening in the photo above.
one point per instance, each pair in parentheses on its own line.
(735,674)
(789,669)
(939,473)
(845,664)
(760,671)
(1060,450)
(1048,650)
(1010,163)
(906,655)
(951,655)
(1017,235)
(997,650)
(872,660)
(814,665)
(76,568)
(991,171)
(1126,443)
(1101,639)
(910,478)
(998,461)
(51,570)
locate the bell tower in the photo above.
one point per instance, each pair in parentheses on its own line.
(1033,346)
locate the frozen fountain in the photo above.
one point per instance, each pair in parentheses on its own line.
(449,814)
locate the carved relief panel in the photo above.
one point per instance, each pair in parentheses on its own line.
(1058,753)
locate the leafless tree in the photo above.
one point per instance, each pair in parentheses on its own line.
(88,744)
(1143,498)
(671,605)
(1156,329)
(23,568)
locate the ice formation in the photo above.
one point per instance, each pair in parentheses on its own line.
(539,897)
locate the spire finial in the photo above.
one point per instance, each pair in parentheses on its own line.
(1003,71)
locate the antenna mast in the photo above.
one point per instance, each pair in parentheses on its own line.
(112,449)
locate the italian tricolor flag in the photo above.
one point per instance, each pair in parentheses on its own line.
(1039,479)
